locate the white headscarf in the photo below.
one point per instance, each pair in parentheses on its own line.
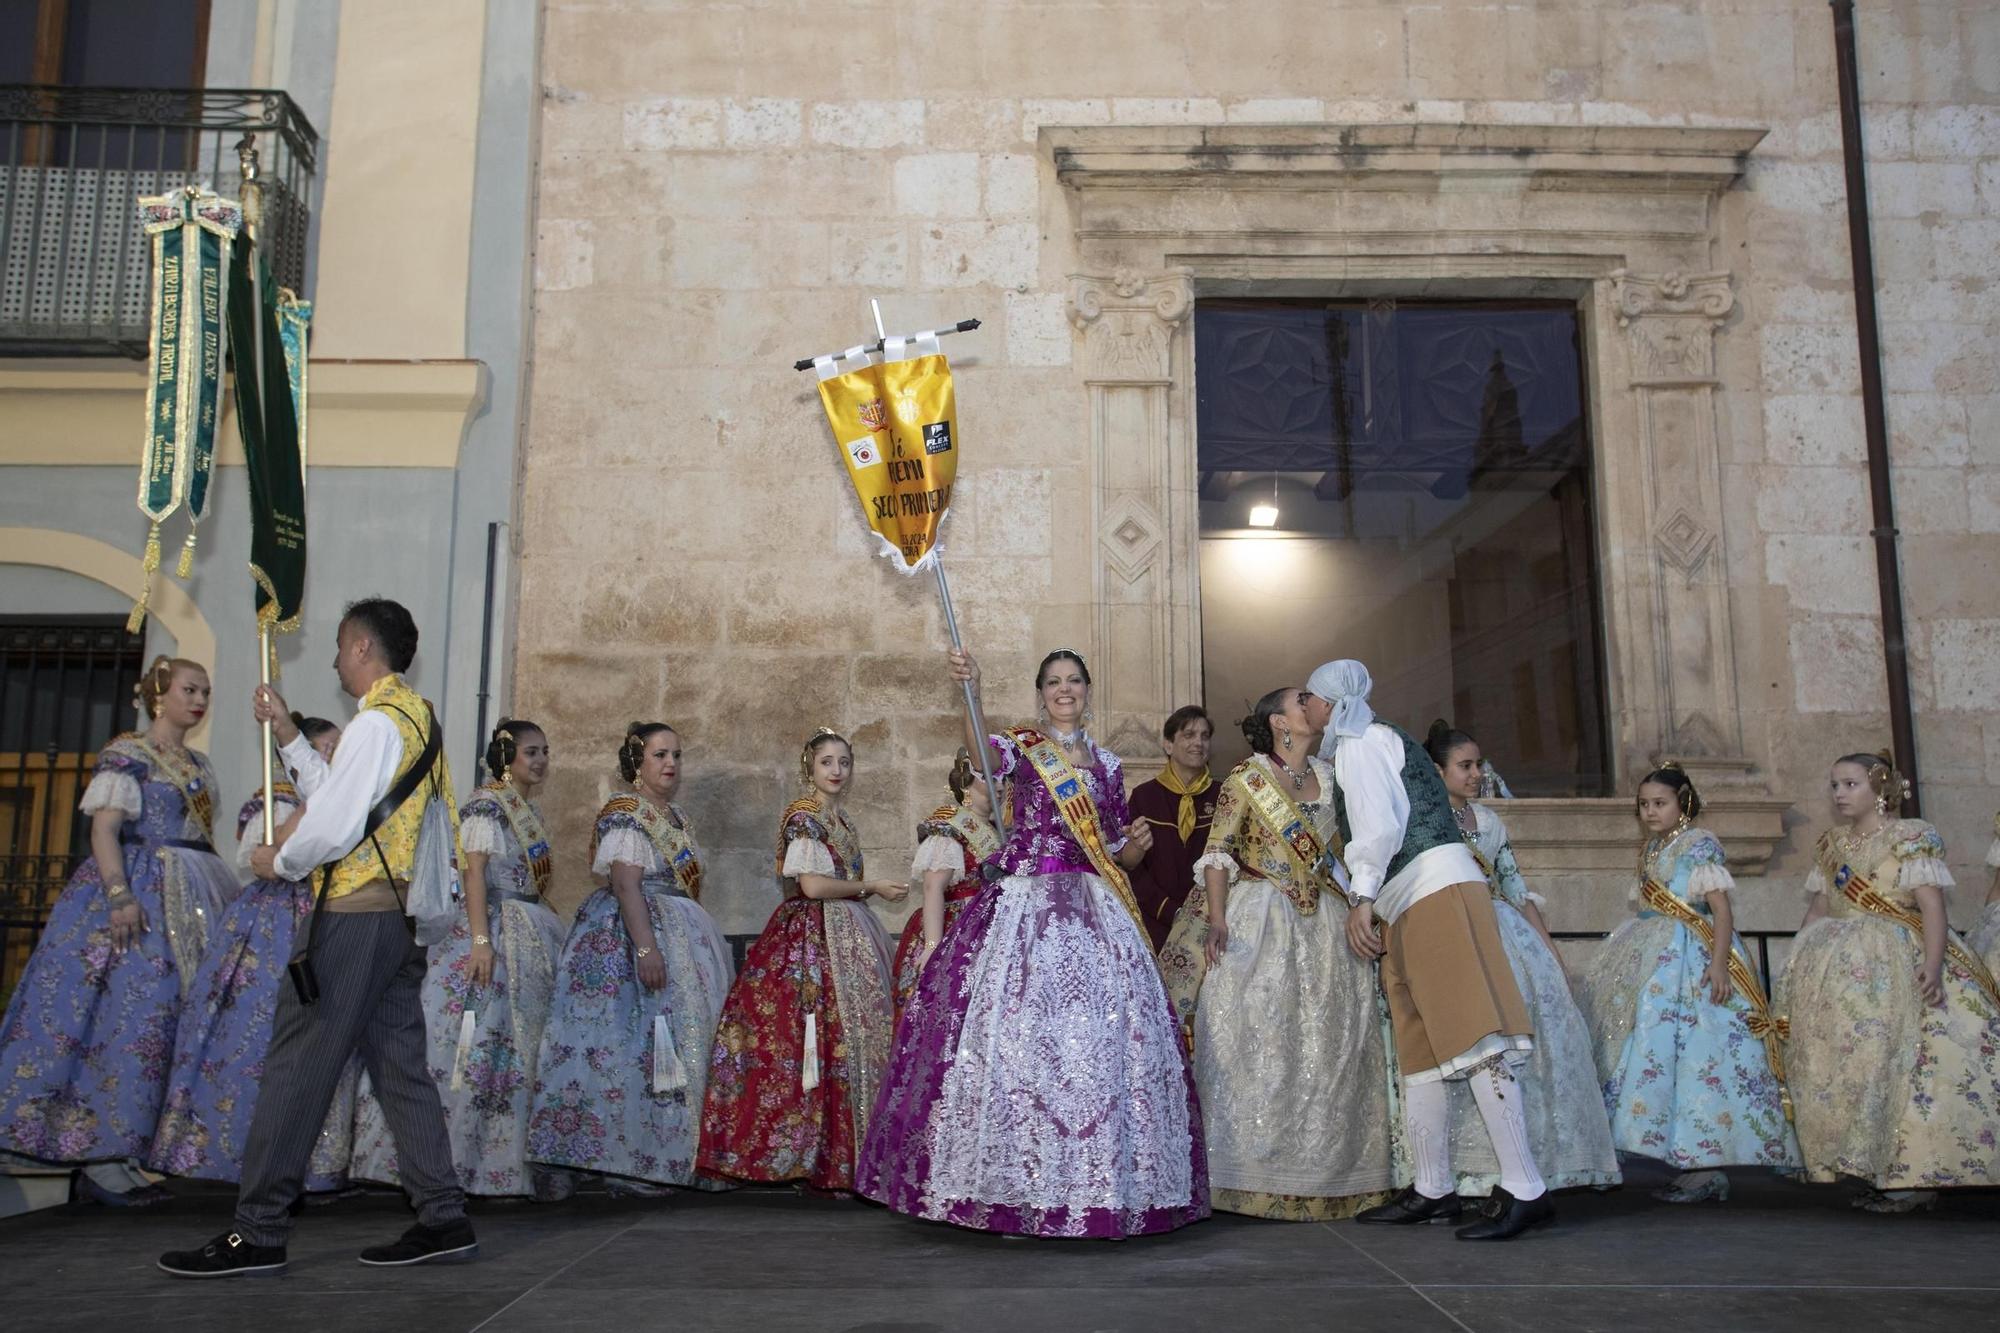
(1344,684)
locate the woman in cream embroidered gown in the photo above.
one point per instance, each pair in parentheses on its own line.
(1039,1085)
(1894,1057)
(619,1078)
(951,845)
(87,1043)
(799,1052)
(1686,1079)
(1291,1052)
(1562,1098)
(225,1025)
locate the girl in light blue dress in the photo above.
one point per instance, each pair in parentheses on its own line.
(1686,1044)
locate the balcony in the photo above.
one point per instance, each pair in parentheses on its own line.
(73,162)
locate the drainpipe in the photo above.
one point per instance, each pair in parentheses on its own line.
(1888,577)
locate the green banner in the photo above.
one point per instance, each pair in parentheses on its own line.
(269,411)
(192,236)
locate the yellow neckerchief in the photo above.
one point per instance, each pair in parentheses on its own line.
(1077,812)
(956,821)
(671,841)
(183,772)
(529,831)
(1766,1027)
(1184,817)
(1857,890)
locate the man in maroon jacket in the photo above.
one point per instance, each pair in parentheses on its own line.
(1179,805)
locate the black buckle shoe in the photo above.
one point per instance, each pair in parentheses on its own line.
(228,1255)
(452,1244)
(1515,1217)
(1411,1208)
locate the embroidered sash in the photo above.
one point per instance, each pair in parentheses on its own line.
(670,840)
(1766,1027)
(183,772)
(1078,813)
(1290,829)
(526,823)
(977,835)
(842,864)
(1865,896)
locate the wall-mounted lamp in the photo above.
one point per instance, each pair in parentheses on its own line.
(1266,515)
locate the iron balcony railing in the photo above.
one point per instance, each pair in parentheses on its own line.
(73,162)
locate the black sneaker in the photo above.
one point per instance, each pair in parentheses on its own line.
(452,1244)
(228,1255)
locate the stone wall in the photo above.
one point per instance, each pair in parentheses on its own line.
(722,186)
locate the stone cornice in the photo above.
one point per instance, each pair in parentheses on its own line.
(1568,835)
(1646,158)
(363,414)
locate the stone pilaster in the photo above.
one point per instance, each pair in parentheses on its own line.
(1145,539)
(1670,321)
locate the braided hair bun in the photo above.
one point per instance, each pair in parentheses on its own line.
(1257,730)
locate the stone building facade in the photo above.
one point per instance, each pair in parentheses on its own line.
(721,188)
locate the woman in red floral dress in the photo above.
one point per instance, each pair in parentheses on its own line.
(805,1032)
(951,845)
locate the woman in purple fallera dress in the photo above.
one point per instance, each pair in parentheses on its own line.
(1038,1084)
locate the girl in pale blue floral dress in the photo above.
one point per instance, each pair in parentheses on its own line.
(490,985)
(1686,1044)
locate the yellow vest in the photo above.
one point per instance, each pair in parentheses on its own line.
(398,834)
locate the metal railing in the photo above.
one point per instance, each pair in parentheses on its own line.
(65,689)
(73,163)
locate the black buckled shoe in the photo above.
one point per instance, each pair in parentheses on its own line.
(1411,1208)
(1513,1218)
(228,1255)
(452,1244)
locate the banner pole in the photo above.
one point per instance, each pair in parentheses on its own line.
(951,627)
(264,679)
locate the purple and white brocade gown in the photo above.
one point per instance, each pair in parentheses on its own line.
(1038,1083)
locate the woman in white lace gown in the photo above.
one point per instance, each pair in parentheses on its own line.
(1038,1084)
(1291,1043)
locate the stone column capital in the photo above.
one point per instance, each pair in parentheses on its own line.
(1127,320)
(1672,319)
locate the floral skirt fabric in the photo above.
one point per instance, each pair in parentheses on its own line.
(487,1092)
(1887,1088)
(1039,1084)
(910,947)
(1684,1081)
(621,1072)
(828,961)
(224,1031)
(87,1043)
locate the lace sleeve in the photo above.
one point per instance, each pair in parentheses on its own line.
(1222,861)
(112,789)
(1919,853)
(808,856)
(1710,877)
(621,845)
(938,852)
(479,831)
(1816,882)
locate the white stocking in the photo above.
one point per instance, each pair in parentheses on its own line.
(1499,1098)
(1427,1115)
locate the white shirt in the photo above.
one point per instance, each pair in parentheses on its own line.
(1369,768)
(339,796)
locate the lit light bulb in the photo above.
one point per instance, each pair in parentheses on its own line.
(1264,516)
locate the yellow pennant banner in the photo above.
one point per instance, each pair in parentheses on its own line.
(896,422)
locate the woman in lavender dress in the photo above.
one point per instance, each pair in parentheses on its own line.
(88,1038)
(226,1023)
(1038,1084)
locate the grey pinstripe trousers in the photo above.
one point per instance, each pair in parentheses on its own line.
(370,970)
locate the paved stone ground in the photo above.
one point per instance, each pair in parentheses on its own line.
(1776,1257)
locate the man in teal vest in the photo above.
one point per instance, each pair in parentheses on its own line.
(1453,1002)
